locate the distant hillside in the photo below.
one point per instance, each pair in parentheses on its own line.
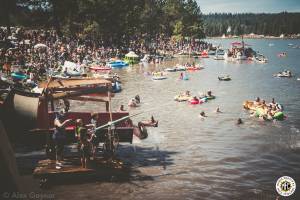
(262,24)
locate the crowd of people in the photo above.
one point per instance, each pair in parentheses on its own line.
(263,110)
(36,52)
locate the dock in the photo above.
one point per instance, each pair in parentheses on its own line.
(99,169)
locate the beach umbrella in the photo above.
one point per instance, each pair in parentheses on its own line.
(40,46)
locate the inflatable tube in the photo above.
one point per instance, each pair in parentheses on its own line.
(182,98)
(278,116)
(259,112)
(158,78)
(185,78)
(204,99)
(194,101)
(210,97)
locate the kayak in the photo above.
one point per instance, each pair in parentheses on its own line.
(18,76)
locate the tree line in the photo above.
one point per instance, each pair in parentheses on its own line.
(273,24)
(114,21)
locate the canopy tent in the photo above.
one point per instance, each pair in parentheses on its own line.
(40,46)
(131,54)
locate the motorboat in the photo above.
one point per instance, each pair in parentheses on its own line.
(261,58)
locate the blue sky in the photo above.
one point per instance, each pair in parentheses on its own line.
(254,6)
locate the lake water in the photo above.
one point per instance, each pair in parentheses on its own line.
(189,158)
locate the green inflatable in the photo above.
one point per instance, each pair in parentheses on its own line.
(259,112)
(210,97)
(278,116)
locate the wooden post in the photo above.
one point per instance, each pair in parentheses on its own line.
(107,106)
(52,105)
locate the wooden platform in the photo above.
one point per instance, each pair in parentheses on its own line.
(71,168)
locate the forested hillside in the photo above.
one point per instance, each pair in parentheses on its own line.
(265,24)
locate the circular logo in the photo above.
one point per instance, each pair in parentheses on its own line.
(285,186)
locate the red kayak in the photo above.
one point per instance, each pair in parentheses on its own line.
(100,68)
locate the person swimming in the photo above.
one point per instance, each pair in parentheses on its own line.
(218,110)
(132,103)
(202,115)
(239,121)
(137,99)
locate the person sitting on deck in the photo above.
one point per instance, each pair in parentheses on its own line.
(84,148)
(78,127)
(92,131)
(59,136)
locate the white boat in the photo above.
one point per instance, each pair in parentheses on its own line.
(218,57)
(180,68)
(284,74)
(261,58)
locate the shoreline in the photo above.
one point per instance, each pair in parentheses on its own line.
(261,38)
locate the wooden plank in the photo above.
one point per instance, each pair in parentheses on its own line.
(74,82)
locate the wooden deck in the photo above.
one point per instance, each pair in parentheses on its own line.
(71,168)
